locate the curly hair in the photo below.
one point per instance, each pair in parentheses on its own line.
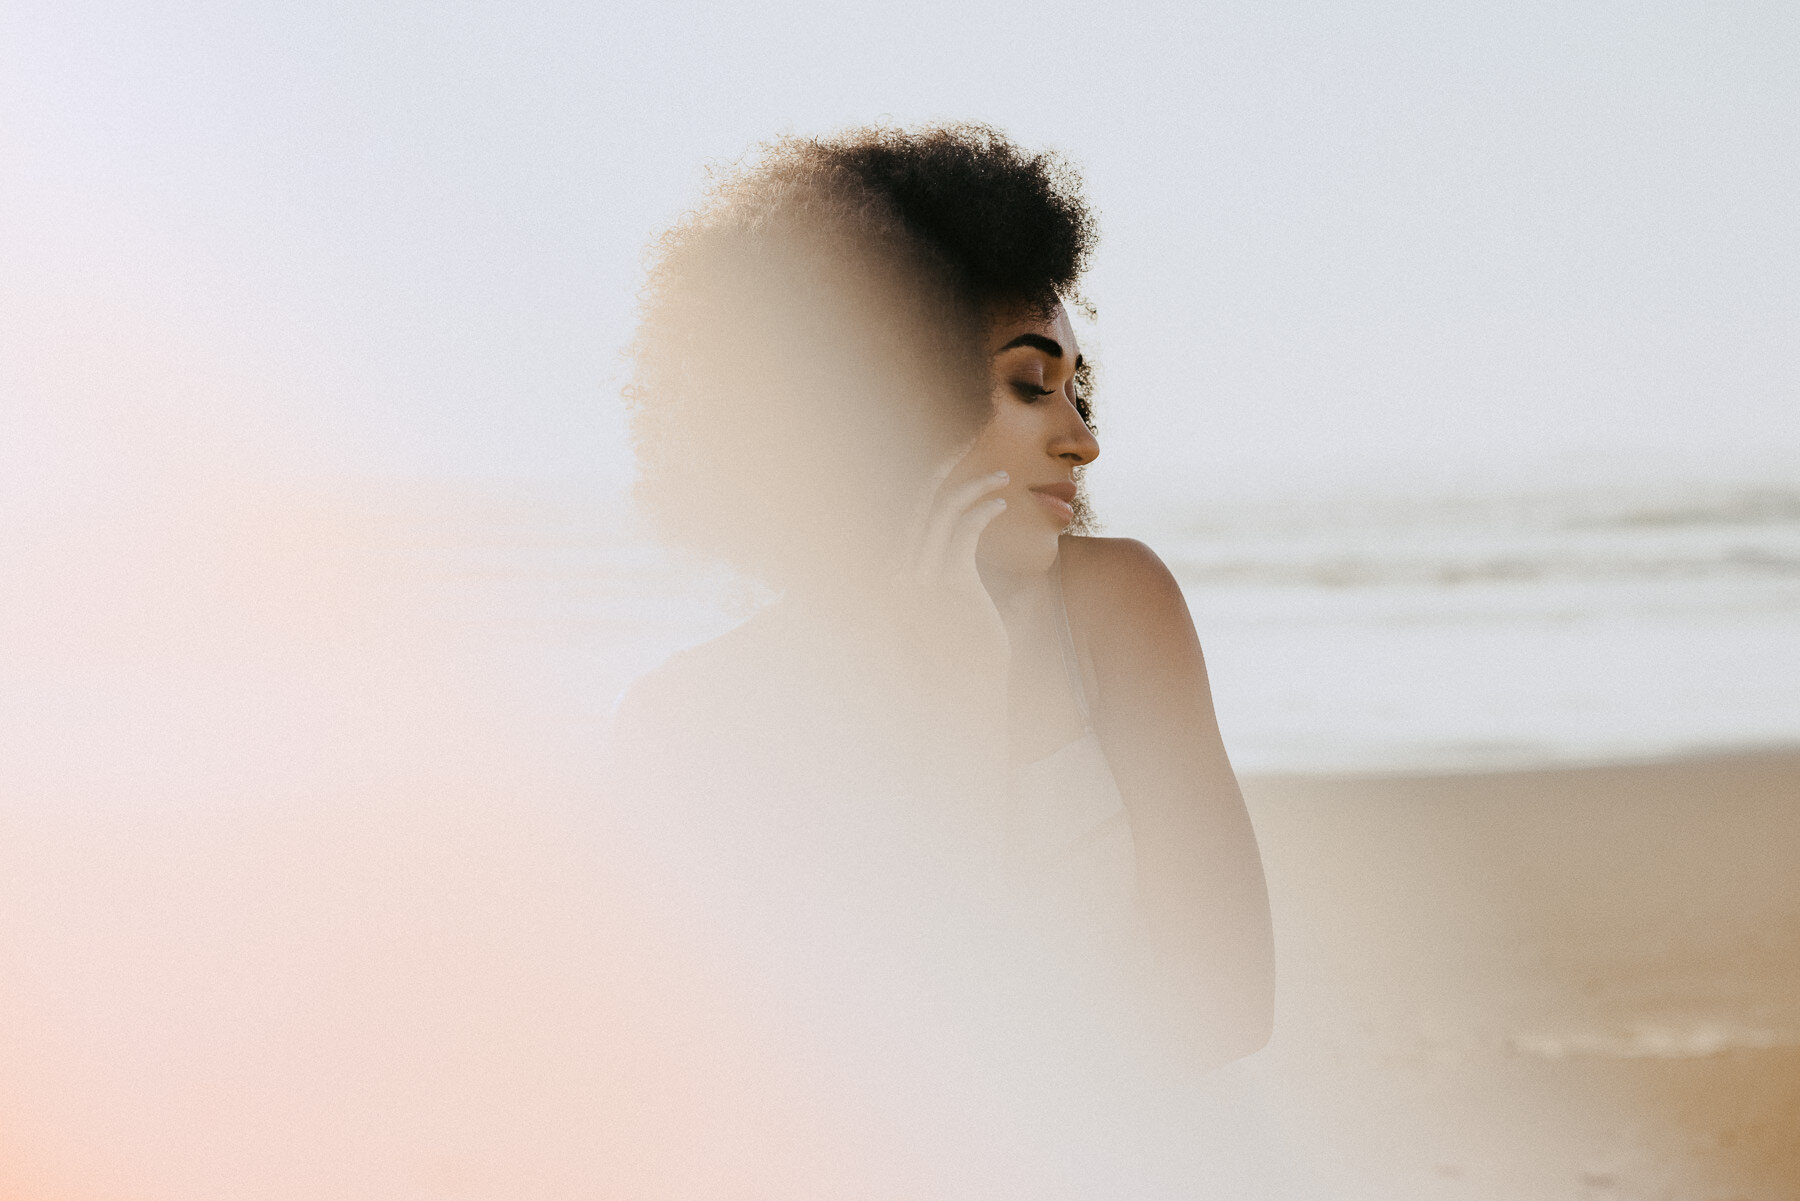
(810,338)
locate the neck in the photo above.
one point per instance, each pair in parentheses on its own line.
(1011,588)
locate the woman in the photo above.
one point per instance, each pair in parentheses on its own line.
(856,378)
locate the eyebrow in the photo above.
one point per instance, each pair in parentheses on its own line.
(1049,346)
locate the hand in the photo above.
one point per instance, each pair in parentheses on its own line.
(948,619)
(954,655)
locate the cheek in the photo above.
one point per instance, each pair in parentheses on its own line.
(1006,442)
(987,453)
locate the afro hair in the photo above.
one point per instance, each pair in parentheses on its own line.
(810,337)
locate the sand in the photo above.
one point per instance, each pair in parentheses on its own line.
(1574,983)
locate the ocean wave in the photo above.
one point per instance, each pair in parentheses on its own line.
(1694,1040)
(1575,508)
(1746,534)
(1448,568)
(1747,506)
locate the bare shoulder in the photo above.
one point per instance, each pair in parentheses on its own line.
(694,689)
(1123,579)
(1131,621)
(768,673)
(667,699)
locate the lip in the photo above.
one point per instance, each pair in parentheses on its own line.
(1058,499)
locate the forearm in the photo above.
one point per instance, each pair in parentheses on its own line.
(1204,904)
(1206,911)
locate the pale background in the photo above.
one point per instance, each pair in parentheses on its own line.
(1447,350)
(1351,238)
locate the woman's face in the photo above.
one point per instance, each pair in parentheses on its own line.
(1035,435)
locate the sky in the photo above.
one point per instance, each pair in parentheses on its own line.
(1442,246)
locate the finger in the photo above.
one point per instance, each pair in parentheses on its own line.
(950,508)
(929,497)
(947,517)
(961,549)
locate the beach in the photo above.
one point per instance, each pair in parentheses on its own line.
(1537,911)
(1541,984)
(343,838)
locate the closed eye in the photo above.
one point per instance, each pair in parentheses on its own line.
(1032,391)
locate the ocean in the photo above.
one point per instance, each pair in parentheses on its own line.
(1357,632)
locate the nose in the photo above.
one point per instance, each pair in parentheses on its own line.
(1071,439)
